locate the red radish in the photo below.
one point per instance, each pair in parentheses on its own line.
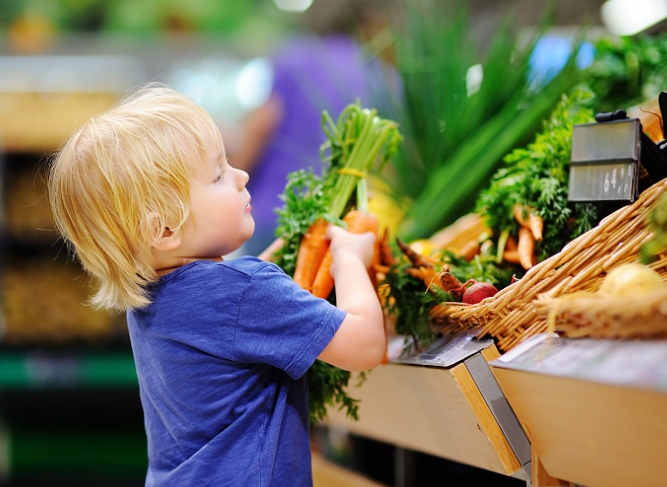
(477,291)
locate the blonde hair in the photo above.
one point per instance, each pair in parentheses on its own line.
(120,180)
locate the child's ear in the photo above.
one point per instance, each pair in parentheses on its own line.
(168,240)
(164,238)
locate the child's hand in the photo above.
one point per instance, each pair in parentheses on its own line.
(359,344)
(345,245)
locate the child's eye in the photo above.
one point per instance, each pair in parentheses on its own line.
(219,177)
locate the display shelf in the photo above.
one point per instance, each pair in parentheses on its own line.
(593,409)
(453,410)
(43,99)
(66,369)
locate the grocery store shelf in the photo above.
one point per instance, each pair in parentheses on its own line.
(43,369)
(456,412)
(594,409)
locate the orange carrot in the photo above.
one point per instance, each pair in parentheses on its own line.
(470,250)
(357,222)
(536,225)
(511,256)
(519,215)
(269,254)
(530,220)
(386,255)
(511,243)
(313,248)
(526,247)
(373,226)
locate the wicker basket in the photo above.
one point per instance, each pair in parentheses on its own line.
(593,315)
(512,315)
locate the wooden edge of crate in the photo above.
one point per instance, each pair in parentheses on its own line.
(486,419)
(590,433)
(435,410)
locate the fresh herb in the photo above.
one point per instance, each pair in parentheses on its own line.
(537,177)
(627,71)
(327,386)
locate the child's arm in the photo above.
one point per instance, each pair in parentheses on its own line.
(359,344)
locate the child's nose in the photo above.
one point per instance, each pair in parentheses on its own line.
(243,178)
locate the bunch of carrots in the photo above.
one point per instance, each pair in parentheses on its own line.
(522,249)
(313,266)
(358,141)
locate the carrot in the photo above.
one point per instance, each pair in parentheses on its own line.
(269,254)
(529,219)
(526,247)
(417,260)
(511,243)
(386,255)
(519,215)
(357,222)
(536,225)
(313,248)
(373,226)
(470,250)
(511,256)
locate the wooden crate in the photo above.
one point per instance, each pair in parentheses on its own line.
(592,413)
(451,412)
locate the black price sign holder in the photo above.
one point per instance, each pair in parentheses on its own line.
(605,161)
(607,158)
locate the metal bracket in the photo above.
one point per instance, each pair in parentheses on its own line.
(502,411)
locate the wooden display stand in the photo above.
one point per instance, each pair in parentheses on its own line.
(594,410)
(44,99)
(455,412)
(40,122)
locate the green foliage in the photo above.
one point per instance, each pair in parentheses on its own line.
(627,71)
(410,304)
(537,176)
(657,221)
(455,133)
(327,387)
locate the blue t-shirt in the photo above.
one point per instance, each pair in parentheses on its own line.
(221,355)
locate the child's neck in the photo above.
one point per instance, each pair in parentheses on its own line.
(162,271)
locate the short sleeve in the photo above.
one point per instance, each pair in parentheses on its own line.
(281,324)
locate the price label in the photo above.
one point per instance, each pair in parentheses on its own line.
(605,161)
(605,182)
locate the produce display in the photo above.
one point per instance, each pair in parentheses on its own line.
(522,224)
(42,306)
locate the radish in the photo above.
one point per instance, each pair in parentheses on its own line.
(475,291)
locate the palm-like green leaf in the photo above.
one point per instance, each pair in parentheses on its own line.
(455,138)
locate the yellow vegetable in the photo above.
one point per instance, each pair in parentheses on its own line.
(631,279)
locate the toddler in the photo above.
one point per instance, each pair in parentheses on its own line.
(146,199)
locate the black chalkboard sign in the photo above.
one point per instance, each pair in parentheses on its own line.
(604,165)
